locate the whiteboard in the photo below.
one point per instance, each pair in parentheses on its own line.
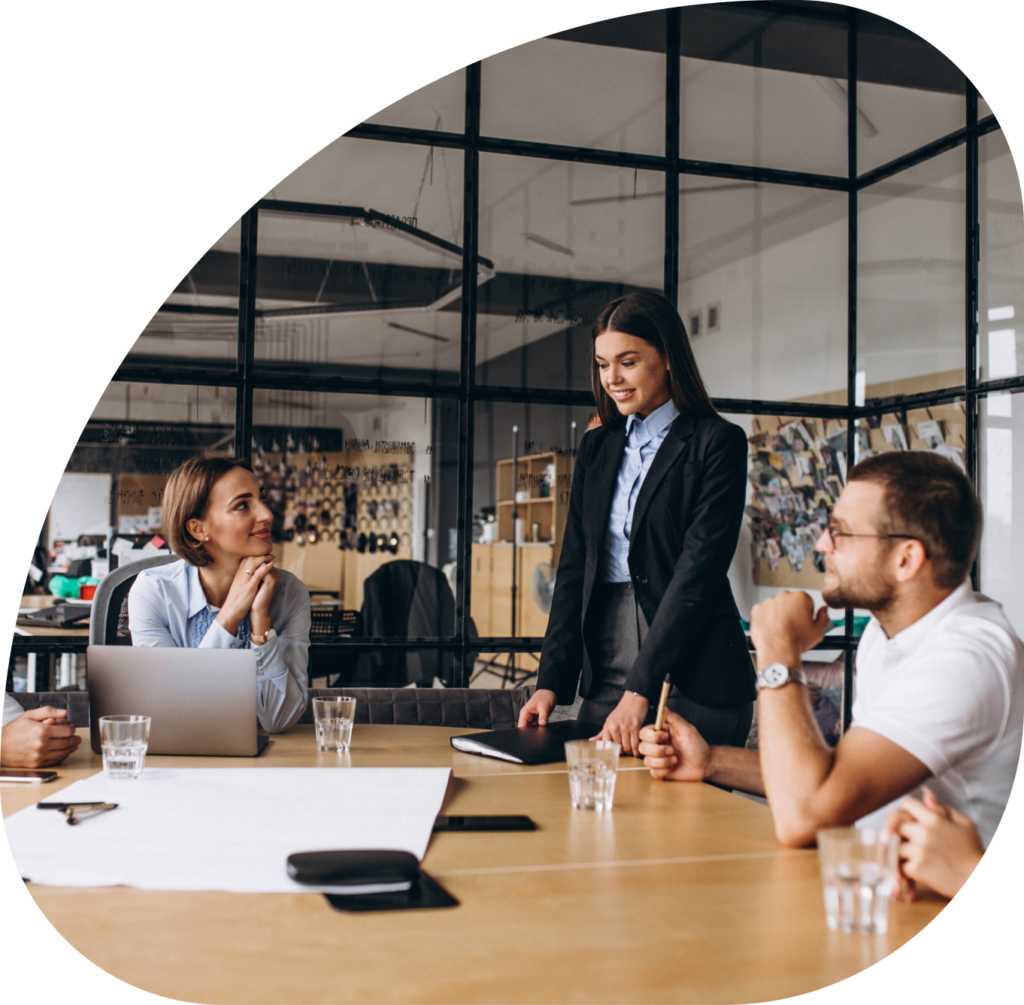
(81,505)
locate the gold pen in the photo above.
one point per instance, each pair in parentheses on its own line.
(659,722)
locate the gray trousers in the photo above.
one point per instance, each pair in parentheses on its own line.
(613,644)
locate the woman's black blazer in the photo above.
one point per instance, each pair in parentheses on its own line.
(686,523)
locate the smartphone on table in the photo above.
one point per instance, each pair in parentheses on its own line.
(34,776)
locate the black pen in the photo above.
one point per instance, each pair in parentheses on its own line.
(70,810)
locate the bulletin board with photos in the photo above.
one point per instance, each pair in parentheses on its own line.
(797,469)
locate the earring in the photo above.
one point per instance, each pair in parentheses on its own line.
(207,538)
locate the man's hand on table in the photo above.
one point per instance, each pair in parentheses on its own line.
(38,739)
(678,752)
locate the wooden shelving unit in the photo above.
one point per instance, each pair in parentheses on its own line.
(534,477)
(492,563)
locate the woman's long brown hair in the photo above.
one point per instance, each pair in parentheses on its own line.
(651,317)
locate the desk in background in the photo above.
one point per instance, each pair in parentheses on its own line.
(682,893)
(52,654)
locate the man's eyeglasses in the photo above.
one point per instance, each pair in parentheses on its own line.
(833,534)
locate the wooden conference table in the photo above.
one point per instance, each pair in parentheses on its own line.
(680,894)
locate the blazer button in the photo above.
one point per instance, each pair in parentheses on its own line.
(640,578)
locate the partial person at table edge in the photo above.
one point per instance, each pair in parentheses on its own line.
(940,670)
(36,737)
(225,592)
(939,846)
(655,510)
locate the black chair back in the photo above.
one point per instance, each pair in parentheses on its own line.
(109,623)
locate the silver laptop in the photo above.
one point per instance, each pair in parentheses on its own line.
(201,701)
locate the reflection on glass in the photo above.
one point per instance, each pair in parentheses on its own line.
(523,462)
(358,483)
(1001,464)
(910,309)
(557,90)
(149,429)
(441,106)
(364,280)
(763,89)
(1001,269)
(984,109)
(198,324)
(762,288)
(908,92)
(565,239)
(114,480)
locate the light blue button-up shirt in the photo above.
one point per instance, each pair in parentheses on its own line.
(643,437)
(168,607)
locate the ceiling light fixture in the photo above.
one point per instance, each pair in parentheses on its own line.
(545,243)
(654,195)
(416,331)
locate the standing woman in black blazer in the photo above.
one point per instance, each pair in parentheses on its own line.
(654,516)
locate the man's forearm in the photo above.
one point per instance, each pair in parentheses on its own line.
(795,761)
(737,768)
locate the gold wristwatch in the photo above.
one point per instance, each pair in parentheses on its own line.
(262,640)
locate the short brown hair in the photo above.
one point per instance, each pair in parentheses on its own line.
(187,496)
(927,497)
(648,315)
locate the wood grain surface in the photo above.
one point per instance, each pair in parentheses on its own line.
(680,894)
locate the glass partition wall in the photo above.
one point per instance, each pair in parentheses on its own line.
(398,334)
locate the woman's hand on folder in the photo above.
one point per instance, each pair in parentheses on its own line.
(536,711)
(677,752)
(623,725)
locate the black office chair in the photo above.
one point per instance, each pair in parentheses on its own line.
(108,625)
(405,599)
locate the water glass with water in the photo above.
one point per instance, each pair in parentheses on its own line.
(859,875)
(124,739)
(592,769)
(333,718)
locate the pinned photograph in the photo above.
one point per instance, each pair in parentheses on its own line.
(797,437)
(895,436)
(931,433)
(955,454)
(862,445)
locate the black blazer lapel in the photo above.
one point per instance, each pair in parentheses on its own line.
(669,451)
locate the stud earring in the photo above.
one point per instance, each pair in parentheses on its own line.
(207,538)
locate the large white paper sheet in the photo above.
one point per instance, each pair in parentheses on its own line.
(224,828)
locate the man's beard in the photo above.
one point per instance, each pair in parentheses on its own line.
(871,593)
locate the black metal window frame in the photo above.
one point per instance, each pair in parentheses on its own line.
(245,379)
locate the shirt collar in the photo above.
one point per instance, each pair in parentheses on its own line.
(915,635)
(657,422)
(196,597)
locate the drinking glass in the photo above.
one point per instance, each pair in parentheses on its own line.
(124,739)
(333,718)
(592,770)
(858,874)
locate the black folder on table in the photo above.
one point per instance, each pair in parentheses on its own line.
(529,745)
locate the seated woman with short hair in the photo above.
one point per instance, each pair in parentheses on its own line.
(225,592)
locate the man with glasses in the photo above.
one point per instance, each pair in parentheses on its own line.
(940,691)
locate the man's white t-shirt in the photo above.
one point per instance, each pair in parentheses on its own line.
(949,690)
